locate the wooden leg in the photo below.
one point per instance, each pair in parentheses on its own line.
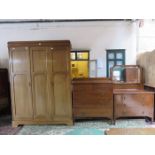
(14,124)
(112,122)
(151,119)
(70,123)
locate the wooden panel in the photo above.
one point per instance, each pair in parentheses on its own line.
(62,95)
(41,43)
(61,82)
(20,83)
(61,59)
(20,59)
(139,104)
(118,105)
(39,59)
(40,95)
(128,86)
(83,112)
(22,97)
(133,74)
(148,88)
(50,61)
(39,82)
(92,95)
(132,104)
(93,98)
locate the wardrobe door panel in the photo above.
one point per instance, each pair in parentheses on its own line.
(21,83)
(22,97)
(61,60)
(40,95)
(39,58)
(20,60)
(62,96)
(39,81)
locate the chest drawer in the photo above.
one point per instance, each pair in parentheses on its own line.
(133,104)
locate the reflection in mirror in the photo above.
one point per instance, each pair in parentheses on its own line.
(119,62)
(119,56)
(111,56)
(111,64)
(118,74)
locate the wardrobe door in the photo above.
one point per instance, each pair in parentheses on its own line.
(21,83)
(62,82)
(39,72)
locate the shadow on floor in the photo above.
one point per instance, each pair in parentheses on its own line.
(5,123)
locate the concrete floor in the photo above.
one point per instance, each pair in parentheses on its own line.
(80,127)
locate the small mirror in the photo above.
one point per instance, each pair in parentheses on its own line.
(118,74)
(126,73)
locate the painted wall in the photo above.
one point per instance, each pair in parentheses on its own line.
(146,36)
(95,36)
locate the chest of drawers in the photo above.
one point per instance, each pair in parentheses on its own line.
(92,98)
(133,103)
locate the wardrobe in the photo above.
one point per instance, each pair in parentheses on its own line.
(40,82)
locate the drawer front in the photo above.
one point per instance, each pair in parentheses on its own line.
(81,87)
(132,112)
(93,112)
(92,95)
(87,100)
(139,100)
(134,105)
(93,87)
